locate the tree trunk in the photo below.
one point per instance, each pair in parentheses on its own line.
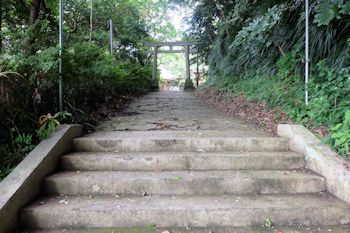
(43,6)
(34,11)
(1,26)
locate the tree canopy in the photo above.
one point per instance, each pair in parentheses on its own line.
(92,76)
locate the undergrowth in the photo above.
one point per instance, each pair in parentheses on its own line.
(257,51)
(328,104)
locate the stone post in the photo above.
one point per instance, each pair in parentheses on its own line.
(188,82)
(155,57)
(187,54)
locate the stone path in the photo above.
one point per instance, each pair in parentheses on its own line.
(170,163)
(175,110)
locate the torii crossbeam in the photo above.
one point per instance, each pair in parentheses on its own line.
(187,50)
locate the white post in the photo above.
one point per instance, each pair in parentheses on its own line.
(60,66)
(307,59)
(111,35)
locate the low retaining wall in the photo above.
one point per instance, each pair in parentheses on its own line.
(24,183)
(319,158)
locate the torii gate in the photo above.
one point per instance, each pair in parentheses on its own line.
(186,49)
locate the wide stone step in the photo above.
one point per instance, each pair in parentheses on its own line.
(184,183)
(181,211)
(155,229)
(175,161)
(199,141)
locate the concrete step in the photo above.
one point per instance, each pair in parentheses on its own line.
(155,229)
(177,161)
(184,183)
(180,141)
(182,211)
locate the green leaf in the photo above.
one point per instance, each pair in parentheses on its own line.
(345,9)
(347,117)
(337,127)
(326,11)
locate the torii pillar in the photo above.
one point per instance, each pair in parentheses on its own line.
(187,49)
(155,63)
(188,82)
(187,57)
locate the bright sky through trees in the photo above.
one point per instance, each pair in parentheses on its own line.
(172,66)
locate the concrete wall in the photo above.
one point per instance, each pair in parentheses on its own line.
(320,159)
(24,183)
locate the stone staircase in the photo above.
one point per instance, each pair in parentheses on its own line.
(225,181)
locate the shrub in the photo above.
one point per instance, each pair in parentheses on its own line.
(341,136)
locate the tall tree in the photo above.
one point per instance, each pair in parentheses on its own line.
(37,6)
(34,11)
(1,3)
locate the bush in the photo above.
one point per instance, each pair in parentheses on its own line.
(91,77)
(329,103)
(340,136)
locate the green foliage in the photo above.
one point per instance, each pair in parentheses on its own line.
(287,65)
(5,170)
(345,9)
(49,123)
(102,77)
(258,51)
(256,30)
(24,143)
(255,43)
(270,90)
(92,76)
(269,224)
(20,144)
(329,95)
(327,10)
(341,136)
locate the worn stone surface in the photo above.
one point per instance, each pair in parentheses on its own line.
(172,110)
(23,184)
(182,211)
(184,183)
(206,141)
(182,161)
(320,158)
(168,160)
(154,229)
